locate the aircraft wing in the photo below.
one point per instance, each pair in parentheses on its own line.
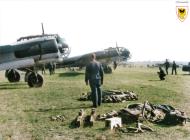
(71,62)
(105,57)
(77,61)
(17,64)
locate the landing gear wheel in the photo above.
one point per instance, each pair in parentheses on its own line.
(35,80)
(12,75)
(107,69)
(26,76)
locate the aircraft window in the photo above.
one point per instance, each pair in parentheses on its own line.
(28,51)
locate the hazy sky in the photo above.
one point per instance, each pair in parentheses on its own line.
(150,29)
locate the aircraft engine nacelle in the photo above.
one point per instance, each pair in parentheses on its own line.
(41,51)
(46,52)
(186,68)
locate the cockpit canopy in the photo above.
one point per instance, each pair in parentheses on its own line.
(61,43)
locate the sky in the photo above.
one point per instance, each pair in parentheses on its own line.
(149,29)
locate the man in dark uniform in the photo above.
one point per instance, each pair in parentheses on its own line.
(167,65)
(43,69)
(114,65)
(174,68)
(94,76)
(50,67)
(161,74)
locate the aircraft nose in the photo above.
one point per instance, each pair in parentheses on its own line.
(64,50)
(126,53)
(129,54)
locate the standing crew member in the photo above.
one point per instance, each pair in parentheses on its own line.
(167,65)
(43,69)
(94,76)
(174,68)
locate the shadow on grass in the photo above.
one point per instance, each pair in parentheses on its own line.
(73,125)
(186,74)
(102,129)
(8,86)
(154,80)
(56,109)
(167,125)
(70,74)
(85,123)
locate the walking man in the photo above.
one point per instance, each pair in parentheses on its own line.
(94,77)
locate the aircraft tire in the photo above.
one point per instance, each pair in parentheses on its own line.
(107,69)
(26,76)
(12,75)
(35,80)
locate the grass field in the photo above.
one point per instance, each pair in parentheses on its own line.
(25,112)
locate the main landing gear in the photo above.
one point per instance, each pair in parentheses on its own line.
(12,75)
(32,78)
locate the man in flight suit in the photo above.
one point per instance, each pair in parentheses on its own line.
(94,76)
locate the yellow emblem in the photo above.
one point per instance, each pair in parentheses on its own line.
(182,9)
(182,12)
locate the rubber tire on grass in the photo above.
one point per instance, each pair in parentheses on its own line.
(35,80)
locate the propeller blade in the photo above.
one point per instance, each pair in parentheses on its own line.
(42,29)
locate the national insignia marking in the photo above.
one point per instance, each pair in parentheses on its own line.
(182,10)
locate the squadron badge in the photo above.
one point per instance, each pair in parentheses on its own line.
(182,10)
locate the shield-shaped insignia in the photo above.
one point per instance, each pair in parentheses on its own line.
(182,12)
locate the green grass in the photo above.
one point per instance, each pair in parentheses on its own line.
(25,111)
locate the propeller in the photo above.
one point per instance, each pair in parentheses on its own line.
(117,49)
(42,28)
(118,52)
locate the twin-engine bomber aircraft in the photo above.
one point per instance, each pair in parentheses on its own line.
(107,56)
(28,53)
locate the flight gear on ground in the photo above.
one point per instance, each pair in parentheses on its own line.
(139,128)
(112,96)
(81,119)
(57,118)
(113,123)
(78,121)
(90,119)
(111,114)
(155,113)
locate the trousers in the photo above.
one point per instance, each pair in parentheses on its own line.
(96,92)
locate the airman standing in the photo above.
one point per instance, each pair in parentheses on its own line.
(94,76)
(167,65)
(174,68)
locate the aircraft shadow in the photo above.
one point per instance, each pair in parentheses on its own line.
(56,109)
(167,125)
(186,74)
(153,80)
(8,86)
(70,74)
